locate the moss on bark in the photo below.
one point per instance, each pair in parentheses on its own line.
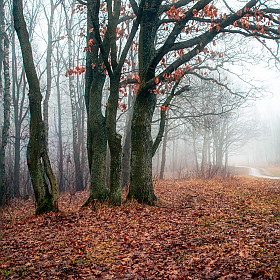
(37,154)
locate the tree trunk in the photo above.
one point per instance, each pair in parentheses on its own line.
(7,101)
(96,135)
(37,154)
(76,150)
(163,156)
(195,151)
(83,148)
(96,141)
(141,184)
(127,145)
(204,154)
(16,184)
(19,115)
(80,108)
(96,122)
(49,73)
(114,141)
(60,143)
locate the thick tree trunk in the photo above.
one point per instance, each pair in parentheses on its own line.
(96,134)
(141,182)
(96,141)
(7,102)
(141,178)
(114,141)
(96,122)
(37,155)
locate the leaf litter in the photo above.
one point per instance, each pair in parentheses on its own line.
(216,229)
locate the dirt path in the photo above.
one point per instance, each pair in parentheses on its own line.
(257,172)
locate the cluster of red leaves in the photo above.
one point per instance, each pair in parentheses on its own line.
(134,87)
(209,11)
(221,229)
(76,71)
(175,75)
(175,13)
(262,23)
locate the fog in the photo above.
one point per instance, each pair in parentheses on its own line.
(264,149)
(258,141)
(226,114)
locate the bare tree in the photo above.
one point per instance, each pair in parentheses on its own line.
(4,58)
(76,146)
(50,20)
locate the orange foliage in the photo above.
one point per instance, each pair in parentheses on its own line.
(76,71)
(175,13)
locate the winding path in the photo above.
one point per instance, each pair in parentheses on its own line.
(255,172)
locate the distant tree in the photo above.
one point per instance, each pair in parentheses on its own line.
(50,21)
(69,19)
(58,69)
(4,59)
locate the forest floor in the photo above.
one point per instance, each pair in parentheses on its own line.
(214,229)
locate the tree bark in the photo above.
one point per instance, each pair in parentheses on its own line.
(49,73)
(79,184)
(59,125)
(96,140)
(164,145)
(76,150)
(18,97)
(127,144)
(7,101)
(141,184)
(204,155)
(114,141)
(37,155)
(96,122)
